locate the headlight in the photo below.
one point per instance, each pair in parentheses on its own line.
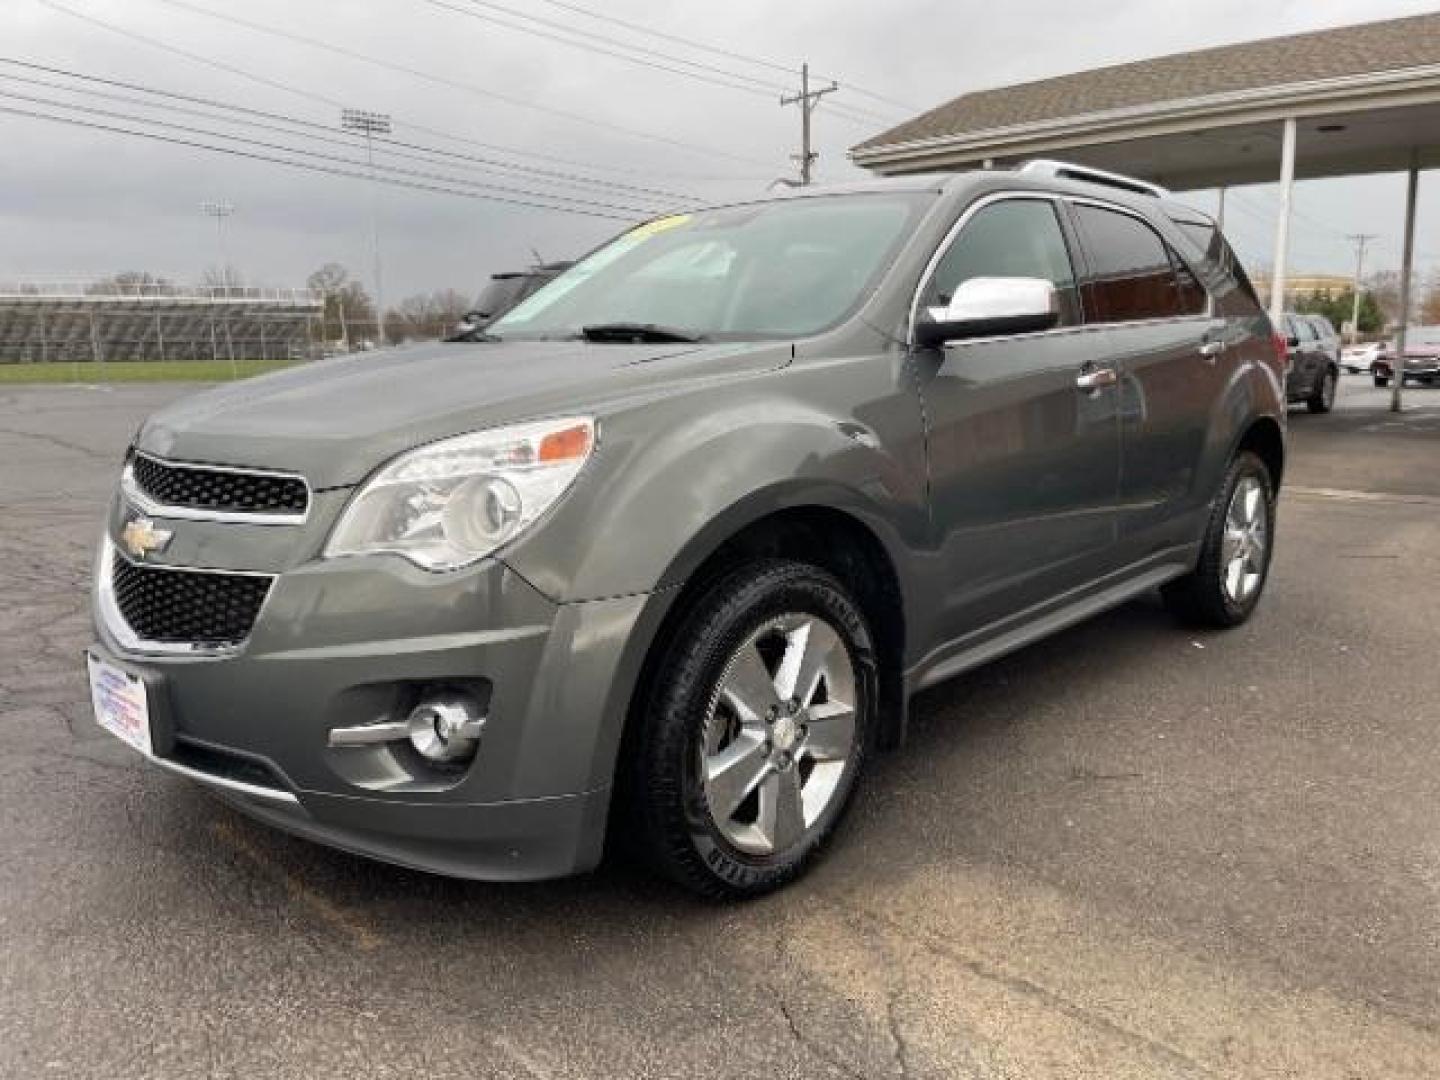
(450,503)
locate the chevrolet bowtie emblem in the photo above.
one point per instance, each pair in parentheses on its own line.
(140,537)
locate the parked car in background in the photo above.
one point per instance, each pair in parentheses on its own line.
(502,293)
(1360,359)
(664,557)
(1312,349)
(1422,358)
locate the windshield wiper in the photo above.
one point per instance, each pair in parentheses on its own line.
(637,333)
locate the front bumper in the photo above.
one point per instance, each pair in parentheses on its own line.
(347,642)
(1415,368)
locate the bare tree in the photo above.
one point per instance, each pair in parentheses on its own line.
(349,312)
(130,283)
(1385,287)
(1429,313)
(426,316)
(222,278)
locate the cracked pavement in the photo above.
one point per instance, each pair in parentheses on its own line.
(1128,851)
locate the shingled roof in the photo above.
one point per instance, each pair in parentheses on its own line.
(1391,45)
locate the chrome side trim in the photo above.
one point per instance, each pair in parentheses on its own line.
(224,782)
(114,620)
(144,503)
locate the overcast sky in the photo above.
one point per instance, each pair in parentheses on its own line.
(79,201)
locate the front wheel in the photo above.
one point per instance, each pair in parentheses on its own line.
(755,731)
(1382,380)
(1226,584)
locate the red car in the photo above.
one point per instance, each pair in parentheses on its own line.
(1421,362)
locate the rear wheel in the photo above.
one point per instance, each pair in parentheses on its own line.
(1322,400)
(1382,380)
(755,730)
(1226,584)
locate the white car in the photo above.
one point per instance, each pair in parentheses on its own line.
(1356,359)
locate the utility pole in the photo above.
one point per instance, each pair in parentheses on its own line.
(1361,239)
(371,124)
(220,211)
(807,99)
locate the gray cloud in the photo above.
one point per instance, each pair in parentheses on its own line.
(77,201)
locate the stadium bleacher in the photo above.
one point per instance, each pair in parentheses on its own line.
(100,320)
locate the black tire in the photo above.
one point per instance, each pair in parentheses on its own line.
(1200,597)
(1382,380)
(667,814)
(1322,398)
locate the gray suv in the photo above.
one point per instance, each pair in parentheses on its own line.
(1313,361)
(663,558)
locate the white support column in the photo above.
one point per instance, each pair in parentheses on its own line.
(1407,266)
(1220,210)
(1282,224)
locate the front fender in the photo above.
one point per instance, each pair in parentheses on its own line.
(673,481)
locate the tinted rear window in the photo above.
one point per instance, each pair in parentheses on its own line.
(1132,272)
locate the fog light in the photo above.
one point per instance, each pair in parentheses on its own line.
(445,729)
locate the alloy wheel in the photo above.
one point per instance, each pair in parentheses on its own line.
(1243,549)
(779,734)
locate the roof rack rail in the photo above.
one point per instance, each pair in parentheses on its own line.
(1067,170)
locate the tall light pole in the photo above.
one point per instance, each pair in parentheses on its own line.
(220,210)
(371,124)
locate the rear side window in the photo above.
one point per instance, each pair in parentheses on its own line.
(1192,298)
(1234,294)
(1012,238)
(1132,270)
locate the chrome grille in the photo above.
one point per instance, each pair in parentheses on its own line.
(209,489)
(200,608)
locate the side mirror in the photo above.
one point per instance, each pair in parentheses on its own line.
(991,306)
(1292,341)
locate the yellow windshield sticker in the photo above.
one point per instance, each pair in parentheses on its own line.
(659,225)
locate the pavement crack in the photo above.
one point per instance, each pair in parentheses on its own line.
(52,440)
(1019,984)
(897,1035)
(806,1042)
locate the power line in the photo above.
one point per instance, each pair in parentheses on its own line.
(847,113)
(419,73)
(774,65)
(320,132)
(757,86)
(265,145)
(576,39)
(307,166)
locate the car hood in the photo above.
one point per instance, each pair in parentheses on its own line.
(336,420)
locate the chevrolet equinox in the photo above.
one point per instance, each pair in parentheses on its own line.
(663,556)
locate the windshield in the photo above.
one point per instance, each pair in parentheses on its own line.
(777,269)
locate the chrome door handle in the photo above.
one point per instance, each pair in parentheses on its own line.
(1212,349)
(1096,378)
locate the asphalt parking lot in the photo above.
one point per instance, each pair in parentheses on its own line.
(1129,851)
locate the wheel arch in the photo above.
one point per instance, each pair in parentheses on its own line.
(1266,439)
(833,537)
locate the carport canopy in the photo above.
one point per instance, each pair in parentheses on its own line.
(1342,102)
